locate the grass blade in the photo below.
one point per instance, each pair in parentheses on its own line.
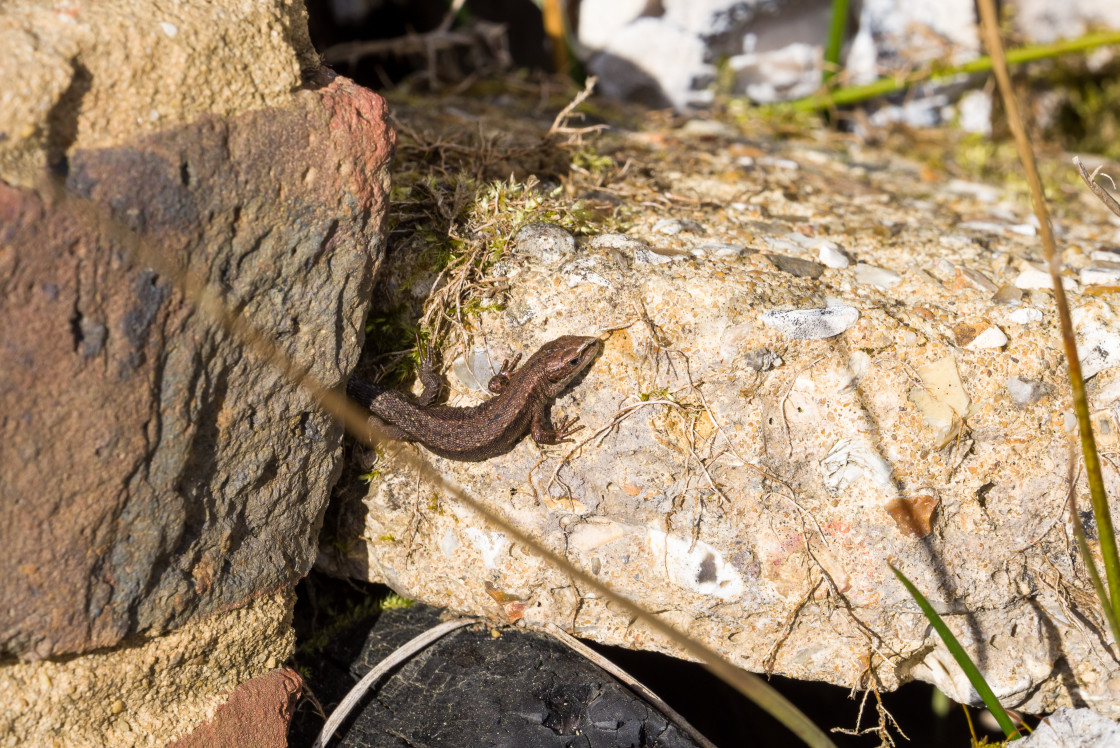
(1091,565)
(854,94)
(957,651)
(1110,555)
(835,38)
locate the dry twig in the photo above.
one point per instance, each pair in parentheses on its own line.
(560,124)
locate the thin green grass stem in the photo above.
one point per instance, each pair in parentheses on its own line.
(835,39)
(854,94)
(957,651)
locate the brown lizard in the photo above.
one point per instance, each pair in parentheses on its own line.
(522,403)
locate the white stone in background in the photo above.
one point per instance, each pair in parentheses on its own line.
(787,73)
(1045,21)
(881,278)
(599,21)
(1073,728)
(1025,316)
(652,51)
(811,324)
(1023,229)
(974,112)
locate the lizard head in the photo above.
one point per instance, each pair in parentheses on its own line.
(566,357)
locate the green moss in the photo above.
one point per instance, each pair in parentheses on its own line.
(340,613)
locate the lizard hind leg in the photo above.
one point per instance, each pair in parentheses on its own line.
(500,381)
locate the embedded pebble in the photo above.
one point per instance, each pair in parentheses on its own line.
(876,276)
(989,227)
(781,163)
(519,312)
(585,270)
(1026,392)
(913,515)
(779,245)
(762,359)
(985,193)
(811,324)
(1031,278)
(473,370)
(1025,316)
(795,266)
(850,460)
(941,398)
(674,226)
(975,336)
(1100,276)
(1099,351)
(649,256)
(1105,255)
(708,128)
(957,241)
(720,250)
(832,256)
(976,279)
(1008,295)
(547,241)
(621,242)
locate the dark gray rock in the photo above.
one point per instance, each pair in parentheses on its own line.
(152,471)
(519,689)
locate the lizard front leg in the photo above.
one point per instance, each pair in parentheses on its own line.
(545,433)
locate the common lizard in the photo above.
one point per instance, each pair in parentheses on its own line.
(522,403)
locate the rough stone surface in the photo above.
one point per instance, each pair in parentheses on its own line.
(151,470)
(91,74)
(1074,728)
(756,507)
(256,714)
(151,691)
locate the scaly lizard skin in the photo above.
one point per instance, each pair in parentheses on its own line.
(522,403)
